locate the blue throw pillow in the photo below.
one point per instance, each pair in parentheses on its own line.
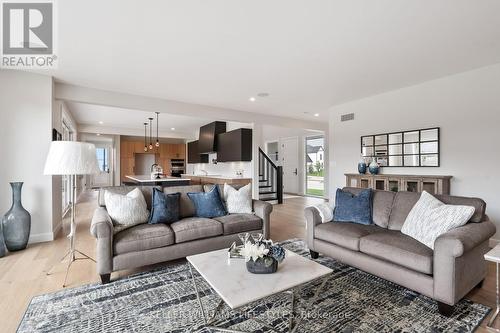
(164,207)
(353,208)
(208,204)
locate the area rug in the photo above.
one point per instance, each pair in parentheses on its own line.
(163,300)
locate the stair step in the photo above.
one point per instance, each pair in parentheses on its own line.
(267,192)
(263,180)
(265,186)
(269,199)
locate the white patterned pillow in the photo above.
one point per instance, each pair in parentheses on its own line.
(238,201)
(126,210)
(325,212)
(430,218)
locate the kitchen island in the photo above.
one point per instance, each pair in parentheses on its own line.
(167,181)
(216,179)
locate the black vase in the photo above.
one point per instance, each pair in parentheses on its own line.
(16,223)
(266,265)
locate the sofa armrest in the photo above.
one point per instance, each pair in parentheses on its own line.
(102,229)
(312,220)
(460,240)
(263,210)
(459,263)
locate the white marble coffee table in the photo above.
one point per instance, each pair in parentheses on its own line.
(237,287)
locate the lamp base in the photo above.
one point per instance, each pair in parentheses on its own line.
(72,259)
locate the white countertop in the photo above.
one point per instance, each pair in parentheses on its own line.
(213,176)
(147,179)
(238,287)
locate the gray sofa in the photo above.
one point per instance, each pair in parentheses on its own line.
(148,244)
(446,274)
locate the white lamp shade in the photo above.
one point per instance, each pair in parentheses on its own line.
(71,158)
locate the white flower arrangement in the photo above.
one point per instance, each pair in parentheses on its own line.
(254,251)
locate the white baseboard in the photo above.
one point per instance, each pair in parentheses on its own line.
(39,238)
(494,242)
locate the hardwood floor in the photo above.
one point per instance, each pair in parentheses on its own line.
(23,274)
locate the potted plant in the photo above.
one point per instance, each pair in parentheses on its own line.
(262,257)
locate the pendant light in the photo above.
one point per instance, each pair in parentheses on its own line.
(157,141)
(145,137)
(150,133)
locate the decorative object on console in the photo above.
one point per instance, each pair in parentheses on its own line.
(262,257)
(362,165)
(126,210)
(353,208)
(430,218)
(16,223)
(238,201)
(374,167)
(165,208)
(208,204)
(71,158)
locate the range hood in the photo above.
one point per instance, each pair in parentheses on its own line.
(207,142)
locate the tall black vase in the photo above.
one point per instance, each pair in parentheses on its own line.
(16,222)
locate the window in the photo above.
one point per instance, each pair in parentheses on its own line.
(102,159)
(315,181)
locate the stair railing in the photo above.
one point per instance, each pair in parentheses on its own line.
(270,179)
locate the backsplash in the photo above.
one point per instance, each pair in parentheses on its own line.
(228,169)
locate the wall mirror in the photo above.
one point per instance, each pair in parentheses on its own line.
(416,148)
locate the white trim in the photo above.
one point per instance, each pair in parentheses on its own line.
(39,238)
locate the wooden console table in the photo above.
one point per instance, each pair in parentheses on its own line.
(396,183)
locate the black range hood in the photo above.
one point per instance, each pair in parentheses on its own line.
(207,142)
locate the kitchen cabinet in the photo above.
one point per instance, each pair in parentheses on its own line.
(208,142)
(194,155)
(235,146)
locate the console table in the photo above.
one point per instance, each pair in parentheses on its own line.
(396,183)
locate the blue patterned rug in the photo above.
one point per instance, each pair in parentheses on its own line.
(163,300)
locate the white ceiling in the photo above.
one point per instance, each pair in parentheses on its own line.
(309,55)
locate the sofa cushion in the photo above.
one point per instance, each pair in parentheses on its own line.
(344,234)
(382,205)
(126,210)
(351,207)
(235,223)
(143,237)
(147,191)
(395,247)
(192,228)
(208,204)
(165,207)
(186,205)
(403,203)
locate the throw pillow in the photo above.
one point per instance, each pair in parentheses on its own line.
(325,212)
(165,208)
(126,210)
(430,218)
(238,201)
(208,204)
(353,208)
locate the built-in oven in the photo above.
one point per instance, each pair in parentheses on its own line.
(177,167)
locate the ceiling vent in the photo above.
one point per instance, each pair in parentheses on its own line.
(347,117)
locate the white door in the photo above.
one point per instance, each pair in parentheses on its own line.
(289,153)
(105,176)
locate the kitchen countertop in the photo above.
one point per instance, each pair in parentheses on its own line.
(214,177)
(147,179)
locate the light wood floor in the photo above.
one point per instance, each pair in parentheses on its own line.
(23,274)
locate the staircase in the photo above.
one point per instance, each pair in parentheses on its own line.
(270,179)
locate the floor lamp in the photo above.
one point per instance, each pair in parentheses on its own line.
(71,158)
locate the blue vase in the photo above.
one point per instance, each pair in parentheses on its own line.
(16,223)
(374,168)
(362,168)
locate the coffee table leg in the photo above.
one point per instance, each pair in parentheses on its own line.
(494,316)
(198,295)
(292,310)
(311,302)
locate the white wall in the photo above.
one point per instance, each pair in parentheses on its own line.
(26,120)
(467,108)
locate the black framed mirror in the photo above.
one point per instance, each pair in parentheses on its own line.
(416,148)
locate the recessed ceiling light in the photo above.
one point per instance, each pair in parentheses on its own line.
(172,128)
(252,99)
(263,94)
(101,122)
(98,134)
(316,114)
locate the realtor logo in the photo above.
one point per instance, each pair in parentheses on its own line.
(28,34)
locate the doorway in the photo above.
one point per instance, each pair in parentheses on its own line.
(104,177)
(289,152)
(315,166)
